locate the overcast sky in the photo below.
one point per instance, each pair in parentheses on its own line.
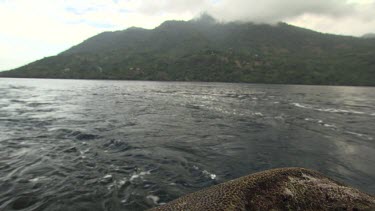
(31,30)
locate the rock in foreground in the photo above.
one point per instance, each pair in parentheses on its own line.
(277,189)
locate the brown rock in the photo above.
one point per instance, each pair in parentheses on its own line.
(277,189)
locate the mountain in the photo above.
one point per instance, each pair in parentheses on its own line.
(368,35)
(205,50)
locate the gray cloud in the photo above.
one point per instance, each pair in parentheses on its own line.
(276,10)
(366,12)
(333,16)
(153,7)
(257,10)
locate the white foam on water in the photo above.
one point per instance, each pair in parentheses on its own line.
(36,179)
(279,117)
(110,187)
(114,167)
(106,180)
(206,173)
(209,175)
(321,122)
(139,175)
(85,151)
(122,182)
(133,177)
(301,106)
(330,110)
(329,125)
(153,198)
(333,110)
(360,135)
(258,114)
(82,153)
(117,183)
(108,176)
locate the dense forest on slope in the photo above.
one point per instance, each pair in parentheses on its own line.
(205,50)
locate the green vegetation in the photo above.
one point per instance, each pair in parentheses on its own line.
(204,50)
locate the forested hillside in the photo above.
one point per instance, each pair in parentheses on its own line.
(205,50)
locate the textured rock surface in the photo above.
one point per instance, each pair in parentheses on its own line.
(277,189)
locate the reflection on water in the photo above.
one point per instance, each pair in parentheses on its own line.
(120,145)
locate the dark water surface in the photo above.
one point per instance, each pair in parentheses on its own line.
(121,145)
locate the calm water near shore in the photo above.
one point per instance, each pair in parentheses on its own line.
(131,145)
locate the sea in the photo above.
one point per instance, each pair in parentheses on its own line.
(132,145)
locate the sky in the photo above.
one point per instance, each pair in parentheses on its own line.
(31,30)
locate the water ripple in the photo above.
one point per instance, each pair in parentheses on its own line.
(121,145)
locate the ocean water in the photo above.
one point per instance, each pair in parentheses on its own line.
(132,145)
